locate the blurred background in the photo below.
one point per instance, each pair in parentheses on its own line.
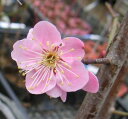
(89,20)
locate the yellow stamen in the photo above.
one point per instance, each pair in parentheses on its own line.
(23,47)
(66,38)
(47,84)
(19,67)
(40,62)
(40,43)
(20,71)
(67,65)
(72,49)
(48,43)
(53,45)
(62,83)
(69,84)
(23,74)
(80,58)
(68,51)
(61,52)
(62,72)
(31,88)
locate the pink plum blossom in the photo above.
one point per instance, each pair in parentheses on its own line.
(53,65)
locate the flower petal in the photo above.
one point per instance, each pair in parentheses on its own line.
(93,84)
(63,96)
(72,79)
(25,50)
(30,34)
(57,92)
(46,33)
(42,87)
(73,49)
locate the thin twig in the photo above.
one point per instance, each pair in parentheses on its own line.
(117,112)
(113,30)
(115,22)
(110,9)
(97,61)
(19,2)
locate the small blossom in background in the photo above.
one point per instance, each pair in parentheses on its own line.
(53,65)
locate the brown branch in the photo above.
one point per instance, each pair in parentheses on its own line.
(97,61)
(106,111)
(110,9)
(107,74)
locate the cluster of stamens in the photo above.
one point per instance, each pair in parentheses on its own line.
(48,64)
(50,59)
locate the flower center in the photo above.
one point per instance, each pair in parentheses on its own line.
(50,59)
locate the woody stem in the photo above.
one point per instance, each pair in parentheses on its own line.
(97,61)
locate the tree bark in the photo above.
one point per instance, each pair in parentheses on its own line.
(108,73)
(107,107)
